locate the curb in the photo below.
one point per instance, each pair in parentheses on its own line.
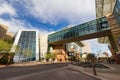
(109,66)
(2,66)
(27,64)
(81,69)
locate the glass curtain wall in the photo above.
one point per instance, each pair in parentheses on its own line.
(94,26)
(116,11)
(27,46)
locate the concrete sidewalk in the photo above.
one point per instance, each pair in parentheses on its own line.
(25,64)
(1,66)
(28,64)
(105,74)
(109,74)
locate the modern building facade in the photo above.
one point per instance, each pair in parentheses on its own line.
(43,45)
(78,48)
(107,26)
(86,48)
(26,46)
(60,40)
(111,9)
(62,52)
(93,29)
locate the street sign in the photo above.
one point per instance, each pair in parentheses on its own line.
(70,54)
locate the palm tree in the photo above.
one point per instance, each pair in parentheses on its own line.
(48,56)
(5,46)
(91,58)
(10,57)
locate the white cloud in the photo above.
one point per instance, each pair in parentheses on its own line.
(6,8)
(15,24)
(41,30)
(48,11)
(52,11)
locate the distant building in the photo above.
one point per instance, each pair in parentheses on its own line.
(9,35)
(83,48)
(3,32)
(86,48)
(28,46)
(63,52)
(43,45)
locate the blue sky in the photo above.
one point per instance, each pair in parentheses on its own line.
(46,15)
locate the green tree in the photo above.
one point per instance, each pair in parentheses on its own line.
(53,56)
(5,46)
(50,56)
(10,57)
(47,56)
(7,58)
(5,55)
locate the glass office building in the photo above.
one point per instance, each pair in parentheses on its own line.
(90,27)
(116,11)
(116,30)
(111,9)
(59,39)
(27,46)
(106,29)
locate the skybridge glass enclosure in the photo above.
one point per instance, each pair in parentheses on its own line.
(90,27)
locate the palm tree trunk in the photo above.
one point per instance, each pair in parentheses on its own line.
(2,56)
(9,58)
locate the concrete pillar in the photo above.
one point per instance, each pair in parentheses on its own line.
(115,36)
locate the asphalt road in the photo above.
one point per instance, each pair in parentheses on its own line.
(43,72)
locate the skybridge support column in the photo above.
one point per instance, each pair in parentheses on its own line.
(115,40)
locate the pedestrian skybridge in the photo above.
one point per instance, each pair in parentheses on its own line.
(92,29)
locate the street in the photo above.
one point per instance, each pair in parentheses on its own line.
(42,72)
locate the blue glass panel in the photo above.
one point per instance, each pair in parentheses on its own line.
(116,11)
(27,42)
(80,30)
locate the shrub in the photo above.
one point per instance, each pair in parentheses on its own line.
(5,45)
(7,58)
(50,56)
